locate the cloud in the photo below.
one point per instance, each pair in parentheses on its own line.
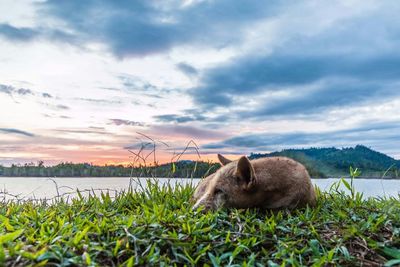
(56,116)
(307,69)
(187,117)
(329,94)
(46,95)
(191,132)
(100,101)
(137,28)
(135,84)
(27,34)
(187,69)
(10,90)
(379,135)
(249,76)
(154,96)
(22,91)
(119,122)
(61,107)
(6,89)
(55,106)
(97,128)
(16,131)
(75,131)
(13,91)
(17,34)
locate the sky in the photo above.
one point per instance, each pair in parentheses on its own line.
(87,81)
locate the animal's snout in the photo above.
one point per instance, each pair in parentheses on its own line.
(202,202)
(204,207)
(199,204)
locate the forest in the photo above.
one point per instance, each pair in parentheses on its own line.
(183,168)
(334,162)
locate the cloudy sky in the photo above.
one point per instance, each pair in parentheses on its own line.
(80,79)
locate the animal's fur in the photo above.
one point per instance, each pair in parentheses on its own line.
(269,183)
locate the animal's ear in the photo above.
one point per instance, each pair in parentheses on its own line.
(223,160)
(245,172)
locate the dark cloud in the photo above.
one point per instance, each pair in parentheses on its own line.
(146,27)
(354,61)
(10,90)
(187,117)
(125,122)
(332,94)
(174,118)
(6,89)
(16,131)
(252,75)
(46,95)
(380,135)
(26,34)
(187,69)
(23,91)
(17,34)
(13,91)
(247,77)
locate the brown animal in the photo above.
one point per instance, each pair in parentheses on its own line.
(268,183)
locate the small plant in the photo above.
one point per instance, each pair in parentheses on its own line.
(354,173)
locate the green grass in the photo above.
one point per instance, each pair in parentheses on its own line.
(157,227)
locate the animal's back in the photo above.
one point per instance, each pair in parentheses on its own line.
(285,182)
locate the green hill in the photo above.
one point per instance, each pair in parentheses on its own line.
(333,162)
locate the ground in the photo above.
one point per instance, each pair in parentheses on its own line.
(156,226)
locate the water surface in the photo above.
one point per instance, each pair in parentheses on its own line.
(39,187)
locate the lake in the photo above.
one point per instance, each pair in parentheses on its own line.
(39,187)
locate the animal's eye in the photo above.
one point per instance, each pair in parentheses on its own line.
(218,191)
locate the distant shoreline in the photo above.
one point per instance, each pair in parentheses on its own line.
(98,177)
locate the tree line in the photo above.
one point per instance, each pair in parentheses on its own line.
(184,169)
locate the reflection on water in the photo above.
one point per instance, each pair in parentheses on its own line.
(48,188)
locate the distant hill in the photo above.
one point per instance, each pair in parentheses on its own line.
(333,162)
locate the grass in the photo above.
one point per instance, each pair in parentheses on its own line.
(156,226)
